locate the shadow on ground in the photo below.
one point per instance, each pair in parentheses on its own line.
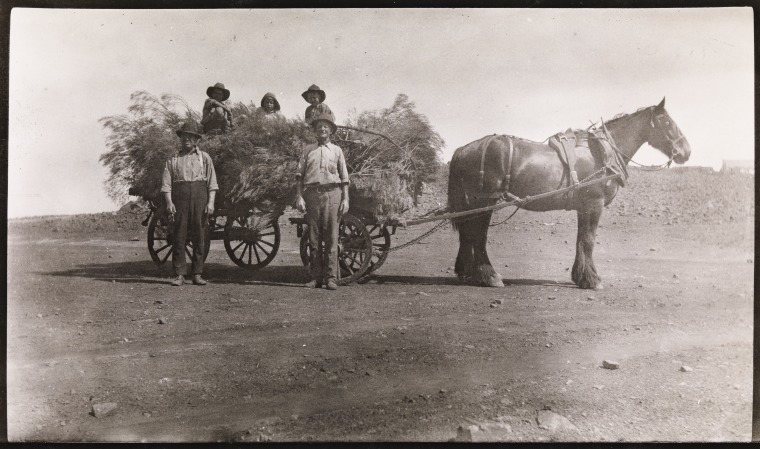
(146,272)
(451,280)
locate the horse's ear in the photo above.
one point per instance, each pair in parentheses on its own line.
(662,104)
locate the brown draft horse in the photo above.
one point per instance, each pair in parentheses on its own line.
(536,168)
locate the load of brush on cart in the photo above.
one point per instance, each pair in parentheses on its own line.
(389,152)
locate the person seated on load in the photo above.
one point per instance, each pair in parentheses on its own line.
(270,107)
(217,117)
(316,99)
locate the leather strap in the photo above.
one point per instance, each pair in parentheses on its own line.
(485,145)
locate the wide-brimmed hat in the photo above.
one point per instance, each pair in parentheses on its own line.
(315,88)
(218,86)
(326,116)
(190,127)
(271,95)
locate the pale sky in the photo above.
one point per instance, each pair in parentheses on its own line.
(524,72)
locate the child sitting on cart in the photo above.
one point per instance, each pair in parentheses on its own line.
(217,117)
(315,97)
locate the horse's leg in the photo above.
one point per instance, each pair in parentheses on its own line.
(483,274)
(584,272)
(463,265)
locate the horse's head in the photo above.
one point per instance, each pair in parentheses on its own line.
(666,136)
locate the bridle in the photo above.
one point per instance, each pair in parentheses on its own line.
(654,122)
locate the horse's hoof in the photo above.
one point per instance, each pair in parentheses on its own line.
(464,279)
(494,281)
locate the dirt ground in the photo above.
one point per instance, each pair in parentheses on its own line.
(410,355)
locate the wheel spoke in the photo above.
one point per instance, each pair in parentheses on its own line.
(187,251)
(163,248)
(263,250)
(242,254)
(264,241)
(250,256)
(239,245)
(168,253)
(266,233)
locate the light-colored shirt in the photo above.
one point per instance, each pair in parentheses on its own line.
(322,164)
(196,165)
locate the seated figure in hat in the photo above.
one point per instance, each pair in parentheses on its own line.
(315,97)
(322,186)
(270,107)
(189,186)
(217,117)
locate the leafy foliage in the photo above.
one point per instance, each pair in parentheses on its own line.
(256,161)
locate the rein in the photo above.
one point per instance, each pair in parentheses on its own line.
(628,159)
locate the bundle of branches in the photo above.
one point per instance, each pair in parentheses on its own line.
(257,160)
(390,153)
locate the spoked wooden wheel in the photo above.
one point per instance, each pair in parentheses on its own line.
(160,240)
(354,249)
(381,243)
(252,239)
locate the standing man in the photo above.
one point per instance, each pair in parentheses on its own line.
(322,184)
(189,187)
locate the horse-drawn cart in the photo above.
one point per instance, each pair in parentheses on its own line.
(252,235)
(252,238)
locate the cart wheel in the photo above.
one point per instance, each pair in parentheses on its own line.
(252,240)
(354,249)
(381,243)
(160,240)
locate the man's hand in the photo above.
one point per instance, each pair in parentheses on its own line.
(343,208)
(170,209)
(209,209)
(300,204)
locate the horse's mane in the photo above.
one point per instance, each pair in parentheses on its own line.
(621,115)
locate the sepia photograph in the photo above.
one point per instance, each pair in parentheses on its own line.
(380,225)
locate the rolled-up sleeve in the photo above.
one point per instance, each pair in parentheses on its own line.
(342,170)
(212,184)
(166,179)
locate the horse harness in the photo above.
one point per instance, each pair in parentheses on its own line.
(564,143)
(481,174)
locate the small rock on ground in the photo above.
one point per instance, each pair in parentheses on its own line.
(553,422)
(102,409)
(483,432)
(610,364)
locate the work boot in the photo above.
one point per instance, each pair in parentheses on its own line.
(198,280)
(331,285)
(313,284)
(178,281)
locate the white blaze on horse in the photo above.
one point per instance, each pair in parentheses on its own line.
(494,167)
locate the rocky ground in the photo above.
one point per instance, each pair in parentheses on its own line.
(100,348)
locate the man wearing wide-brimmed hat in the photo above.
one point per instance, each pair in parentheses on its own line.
(189,187)
(217,117)
(322,185)
(315,97)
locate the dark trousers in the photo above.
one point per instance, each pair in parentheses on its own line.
(322,219)
(190,199)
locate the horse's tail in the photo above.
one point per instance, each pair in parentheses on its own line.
(457,200)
